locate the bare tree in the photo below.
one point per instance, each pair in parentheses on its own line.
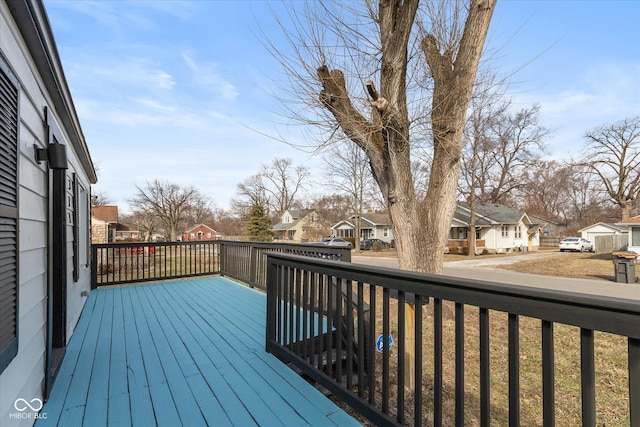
(145,221)
(347,169)
(200,211)
(275,188)
(170,202)
(486,103)
(343,49)
(283,182)
(547,189)
(586,203)
(512,144)
(331,207)
(251,192)
(612,154)
(100,198)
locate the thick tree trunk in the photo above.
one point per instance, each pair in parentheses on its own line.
(626,208)
(420,231)
(453,74)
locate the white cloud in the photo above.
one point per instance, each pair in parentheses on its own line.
(205,75)
(605,92)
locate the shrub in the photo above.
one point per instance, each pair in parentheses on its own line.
(377,246)
(485,251)
(464,250)
(453,250)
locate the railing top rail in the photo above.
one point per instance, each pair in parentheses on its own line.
(277,244)
(595,312)
(142,244)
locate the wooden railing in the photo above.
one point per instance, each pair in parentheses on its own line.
(120,263)
(480,352)
(462,243)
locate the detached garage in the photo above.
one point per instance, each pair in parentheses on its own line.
(604,229)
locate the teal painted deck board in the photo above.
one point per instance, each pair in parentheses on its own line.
(177,353)
(139,393)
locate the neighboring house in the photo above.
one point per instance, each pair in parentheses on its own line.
(104,222)
(372,226)
(105,227)
(300,226)
(549,226)
(602,229)
(199,232)
(498,228)
(45,240)
(127,232)
(633,227)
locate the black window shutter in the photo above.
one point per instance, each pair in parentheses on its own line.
(8,216)
(76,228)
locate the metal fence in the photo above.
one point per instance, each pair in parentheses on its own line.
(323,317)
(247,261)
(121,263)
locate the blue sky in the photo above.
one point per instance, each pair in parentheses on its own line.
(179,90)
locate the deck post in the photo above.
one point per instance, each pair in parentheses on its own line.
(272,292)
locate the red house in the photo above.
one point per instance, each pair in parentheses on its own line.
(199,232)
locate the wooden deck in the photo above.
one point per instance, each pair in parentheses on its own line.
(188,353)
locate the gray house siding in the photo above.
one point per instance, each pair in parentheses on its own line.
(27,50)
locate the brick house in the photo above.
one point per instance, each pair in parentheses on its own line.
(199,232)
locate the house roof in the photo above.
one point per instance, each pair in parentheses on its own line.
(632,220)
(494,212)
(464,216)
(371,219)
(613,227)
(541,220)
(297,215)
(188,230)
(376,218)
(31,20)
(125,227)
(107,213)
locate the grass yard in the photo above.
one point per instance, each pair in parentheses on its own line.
(578,265)
(610,354)
(610,359)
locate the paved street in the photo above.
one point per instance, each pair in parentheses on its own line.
(487,269)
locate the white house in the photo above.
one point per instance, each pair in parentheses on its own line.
(601,229)
(633,227)
(498,228)
(45,177)
(372,226)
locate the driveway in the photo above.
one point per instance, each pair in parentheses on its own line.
(487,269)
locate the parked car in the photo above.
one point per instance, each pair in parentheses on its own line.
(367,244)
(577,244)
(335,241)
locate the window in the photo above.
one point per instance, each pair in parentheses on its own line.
(505,231)
(385,232)
(635,236)
(518,232)
(8,216)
